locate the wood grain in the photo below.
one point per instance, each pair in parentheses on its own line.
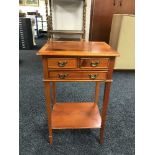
(77,48)
(54,63)
(75,116)
(78,58)
(77,75)
(97,92)
(53,93)
(106,99)
(101,16)
(48,108)
(87,63)
(104,110)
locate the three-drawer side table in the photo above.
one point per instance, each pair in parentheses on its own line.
(77,61)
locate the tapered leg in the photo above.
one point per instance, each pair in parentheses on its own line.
(104,110)
(97,91)
(48,108)
(53,93)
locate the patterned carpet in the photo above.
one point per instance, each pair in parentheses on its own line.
(120,125)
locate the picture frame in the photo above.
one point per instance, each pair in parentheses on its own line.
(32,2)
(21,2)
(29,3)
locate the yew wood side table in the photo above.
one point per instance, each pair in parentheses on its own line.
(77,61)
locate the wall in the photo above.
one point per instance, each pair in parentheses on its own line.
(122,39)
(67,14)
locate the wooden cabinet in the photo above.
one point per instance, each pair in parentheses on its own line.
(101,16)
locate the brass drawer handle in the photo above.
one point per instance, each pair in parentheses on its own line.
(62,63)
(92,76)
(94,64)
(62,76)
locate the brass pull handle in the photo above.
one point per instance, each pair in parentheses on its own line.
(92,76)
(62,63)
(62,76)
(94,64)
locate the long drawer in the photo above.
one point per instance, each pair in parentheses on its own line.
(77,75)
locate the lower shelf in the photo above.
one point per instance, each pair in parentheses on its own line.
(75,116)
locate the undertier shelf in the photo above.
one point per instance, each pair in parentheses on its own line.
(75,116)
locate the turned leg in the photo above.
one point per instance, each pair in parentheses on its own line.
(48,108)
(97,92)
(104,110)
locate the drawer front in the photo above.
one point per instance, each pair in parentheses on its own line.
(56,63)
(94,63)
(79,75)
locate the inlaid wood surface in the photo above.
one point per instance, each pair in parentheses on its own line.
(77,48)
(75,116)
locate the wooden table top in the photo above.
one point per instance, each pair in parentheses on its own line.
(77,48)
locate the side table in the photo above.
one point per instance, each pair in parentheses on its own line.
(77,61)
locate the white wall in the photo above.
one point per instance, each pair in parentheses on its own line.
(67,14)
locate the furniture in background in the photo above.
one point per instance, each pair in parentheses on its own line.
(38,20)
(122,39)
(101,16)
(22,14)
(25,34)
(49,17)
(77,61)
(42,31)
(21,2)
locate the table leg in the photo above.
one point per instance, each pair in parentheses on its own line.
(97,92)
(48,108)
(53,93)
(104,110)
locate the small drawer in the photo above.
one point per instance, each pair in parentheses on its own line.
(94,63)
(78,75)
(56,63)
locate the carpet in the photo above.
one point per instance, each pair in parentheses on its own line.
(120,124)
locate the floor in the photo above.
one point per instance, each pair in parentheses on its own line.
(120,125)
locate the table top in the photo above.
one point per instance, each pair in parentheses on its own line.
(77,48)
